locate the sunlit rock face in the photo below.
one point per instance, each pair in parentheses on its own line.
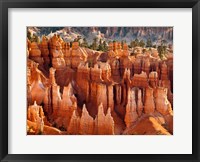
(104,124)
(35,114)
(74,90)
(131,109)
(45,52)
(149,104)
(86,123)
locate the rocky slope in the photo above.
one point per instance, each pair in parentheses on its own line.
(156,34)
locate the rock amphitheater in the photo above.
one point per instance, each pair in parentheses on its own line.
(79,91)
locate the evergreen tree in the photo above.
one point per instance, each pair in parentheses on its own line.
(122,44)
(94,44)
(100,48)
(29,35)
(164,42)
(154,46)
(162,49)
(34,38)
(141,44)
(105,47)
(134,43)
(70,43)
(149,43)
(38,39)
(85,43)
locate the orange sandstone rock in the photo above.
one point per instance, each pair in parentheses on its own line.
(34,50)
(131,113)
(139,103)
(104,124)
(162,104)
(36,114)
(140,80)
(149,105)
(153,79)
(86,123)
(74,124)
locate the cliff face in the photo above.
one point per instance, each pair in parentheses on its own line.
(68,95)
(108,33)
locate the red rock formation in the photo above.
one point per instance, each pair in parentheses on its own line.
(106,71)
(109,123)
(102,96)
(149,105)
(36,114)
(47,130)
(77,55)
(125,63)
(167,84)
(137,66)
(45,52)
(67,55)
(139,103)
(63,106)
(164,72)
(34,50)
(37,89)
(47,102)
(83,77)
(146,66)
(74,124)
(115,69)
(131,115)
(111,53)
(153,79)
(96,73)
(118,94)
(110,97)
(125,50)
(104,124)
(86,123)
(44,47)
(162,104)
(140,80)
(56,52)
(146,126)
(35,53)
(125,84)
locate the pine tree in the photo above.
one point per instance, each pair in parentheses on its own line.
(105,47)
(134,43)
(141,44)
(29,35)
(85,43)
(100,48)
(94,44)
(149,43)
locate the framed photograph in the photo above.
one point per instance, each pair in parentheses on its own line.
(104,80)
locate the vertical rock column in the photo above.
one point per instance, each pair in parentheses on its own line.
(74,124)
(86,123)
(45,52)
(67,55)
(83,77)
(131,109)
(149,105)
(104,124)
(139,103)
(110,97)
